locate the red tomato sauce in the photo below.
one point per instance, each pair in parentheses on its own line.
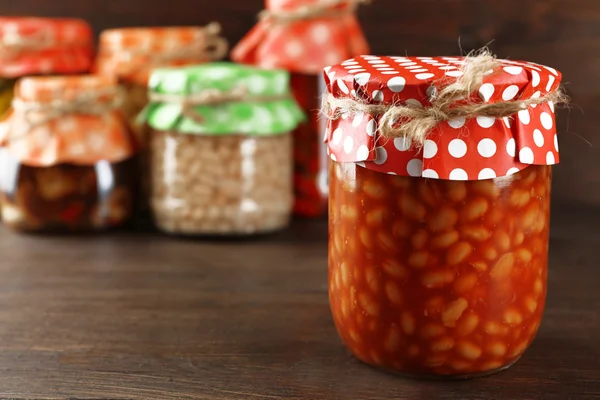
(438,278)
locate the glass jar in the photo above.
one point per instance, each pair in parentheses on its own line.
(236,184)
(66,197)
(67,160)
(438,246)
(220,149)
(434,277)
(304,45)
(130,54)
(310,157)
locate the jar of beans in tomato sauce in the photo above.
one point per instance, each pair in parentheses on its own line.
(303,36)
(438,251)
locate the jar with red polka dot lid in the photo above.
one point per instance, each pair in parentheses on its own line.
(41,46)
(439,209)
(304,36)
(68,161)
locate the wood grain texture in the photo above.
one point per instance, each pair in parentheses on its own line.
(561,33)
(151,317)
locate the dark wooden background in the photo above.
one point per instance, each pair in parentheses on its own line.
(562,33)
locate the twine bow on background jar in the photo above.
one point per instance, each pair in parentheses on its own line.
(214,47)
(449,100)
(38,113)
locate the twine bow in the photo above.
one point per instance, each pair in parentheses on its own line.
(98,103)
(211,97)
(323,9)
(448,101)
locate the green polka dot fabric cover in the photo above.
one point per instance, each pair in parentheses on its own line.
(277,115)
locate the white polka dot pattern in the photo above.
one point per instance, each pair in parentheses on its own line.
(461,149)
(305,46)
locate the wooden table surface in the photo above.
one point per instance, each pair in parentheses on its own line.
(145,316)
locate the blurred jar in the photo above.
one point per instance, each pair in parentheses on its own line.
(130,55)
(41,46)
(304,36)
(67,159)
(221,152)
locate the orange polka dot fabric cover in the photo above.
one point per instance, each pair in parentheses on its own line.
(131,54)
(41,46)
(461,149)
(303,47)
(73,138)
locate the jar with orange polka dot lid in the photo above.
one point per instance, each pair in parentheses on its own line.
(68,160)
(41,46)
(131,54)
(439,209)
(304,36)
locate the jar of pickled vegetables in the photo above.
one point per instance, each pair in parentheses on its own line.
(41,46)
(66,163)
(304,36)
(220,159)
(438,248)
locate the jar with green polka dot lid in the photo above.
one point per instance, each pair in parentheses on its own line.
(221,149)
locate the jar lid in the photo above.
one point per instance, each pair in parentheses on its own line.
(468,147)
(303,36)
(34,46)
(72,119)
(221,98)
(132,53)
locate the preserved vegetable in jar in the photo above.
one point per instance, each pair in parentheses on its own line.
(304,36)
(131,54)
(221,159)
(67,158)
(41,46)
(438,245)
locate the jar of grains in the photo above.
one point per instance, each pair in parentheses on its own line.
(304,36)
(221,149)
(67,164)
(41,46)
(439,209)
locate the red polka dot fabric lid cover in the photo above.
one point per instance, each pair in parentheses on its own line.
(41,46)
(303,46)
(461,149)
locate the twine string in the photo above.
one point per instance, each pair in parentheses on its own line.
(213,48)
(38,113)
